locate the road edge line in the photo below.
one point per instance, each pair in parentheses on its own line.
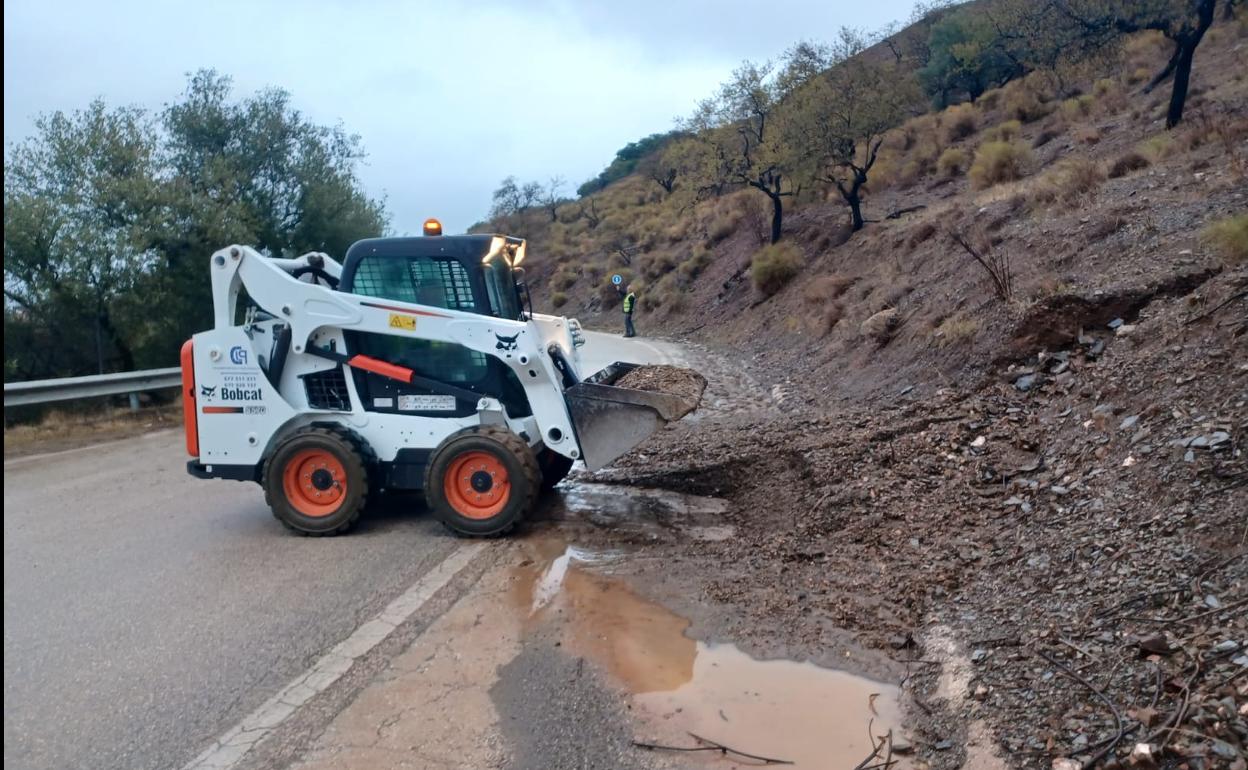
(234,744)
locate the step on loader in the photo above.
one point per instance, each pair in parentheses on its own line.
(415,364)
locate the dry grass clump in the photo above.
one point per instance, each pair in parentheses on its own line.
(558,299)
(826,287)
(956,330)
(960,121)
(1229,238)
(1006,131)
(774,266)
(1126,163)
(997,162)
(1070,180)
(953,162)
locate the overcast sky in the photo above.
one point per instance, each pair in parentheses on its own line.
(449,98)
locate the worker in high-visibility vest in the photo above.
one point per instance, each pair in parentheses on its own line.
(630,302)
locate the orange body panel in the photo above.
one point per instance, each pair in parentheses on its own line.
(377,366)
(190,422)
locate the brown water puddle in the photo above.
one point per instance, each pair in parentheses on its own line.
(813,716)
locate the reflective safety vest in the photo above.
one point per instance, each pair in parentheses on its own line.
(629,301)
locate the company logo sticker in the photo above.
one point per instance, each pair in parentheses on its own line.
(238,355)
(507,343)
(206,391)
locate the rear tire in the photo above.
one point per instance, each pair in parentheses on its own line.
(555,468)
(482,481)
(316,481)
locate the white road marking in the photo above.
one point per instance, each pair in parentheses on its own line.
(233,745)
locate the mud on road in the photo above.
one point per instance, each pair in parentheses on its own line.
(1051,566)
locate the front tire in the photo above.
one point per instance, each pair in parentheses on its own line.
(316,482)
(482,481)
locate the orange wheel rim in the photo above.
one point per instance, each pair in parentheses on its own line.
(315,482)
(477,485)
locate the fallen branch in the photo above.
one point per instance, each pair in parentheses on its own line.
(899,213)
(1190,618)
(1118,725)
(712,746)
(1217,307)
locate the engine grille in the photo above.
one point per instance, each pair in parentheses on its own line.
(328,390)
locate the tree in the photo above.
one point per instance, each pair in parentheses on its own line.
(735,141)
(111,215)
(81,198)
(506,199)
(836,122)
(1046,34)
(551,198)
(626,161)
(660,168)
(965,56)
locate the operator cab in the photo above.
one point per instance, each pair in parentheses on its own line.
(466,273)
(470,273)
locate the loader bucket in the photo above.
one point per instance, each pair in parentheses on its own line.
(609,420)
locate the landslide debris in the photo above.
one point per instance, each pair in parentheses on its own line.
(685,384)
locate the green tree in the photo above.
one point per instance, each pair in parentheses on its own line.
(736,141)
(1050,33)
(836,122)
(81,200)
(965,56)
(111,215)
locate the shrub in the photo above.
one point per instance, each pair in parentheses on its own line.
(1025,105)
(1007,131)
(960,121)
(1229,238)
(990,99)
(1071,179)
(1078,107)
(956,330)
(1126,163)
(774,266)
(690,268)
(558,299)
(997,162)
(826,287)
(722,225)
(563,280)
(1157,148)
(953,162)
(1087,135)
(1044,137)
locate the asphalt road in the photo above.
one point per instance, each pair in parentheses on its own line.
(146,611)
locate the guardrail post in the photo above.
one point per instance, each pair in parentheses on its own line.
(134,402)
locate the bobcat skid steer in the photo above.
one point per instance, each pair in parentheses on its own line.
(414,365)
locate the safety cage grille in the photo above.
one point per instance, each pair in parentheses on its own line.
(420,280)
(328,390)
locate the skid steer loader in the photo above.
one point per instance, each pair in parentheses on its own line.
(415,364)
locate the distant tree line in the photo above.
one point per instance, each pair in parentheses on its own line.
(814,120)
(111,214)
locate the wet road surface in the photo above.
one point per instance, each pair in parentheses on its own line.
(146,611)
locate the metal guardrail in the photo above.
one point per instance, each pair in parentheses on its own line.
(93,386)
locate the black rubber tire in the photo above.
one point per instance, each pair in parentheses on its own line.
(343,445)
(522,471)
(555,468)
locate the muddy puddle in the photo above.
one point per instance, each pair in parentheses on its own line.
(653,514)
(796,711)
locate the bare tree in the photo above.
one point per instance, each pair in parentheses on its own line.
(551,198)
(589,210)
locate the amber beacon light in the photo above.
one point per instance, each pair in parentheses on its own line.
(433,227)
